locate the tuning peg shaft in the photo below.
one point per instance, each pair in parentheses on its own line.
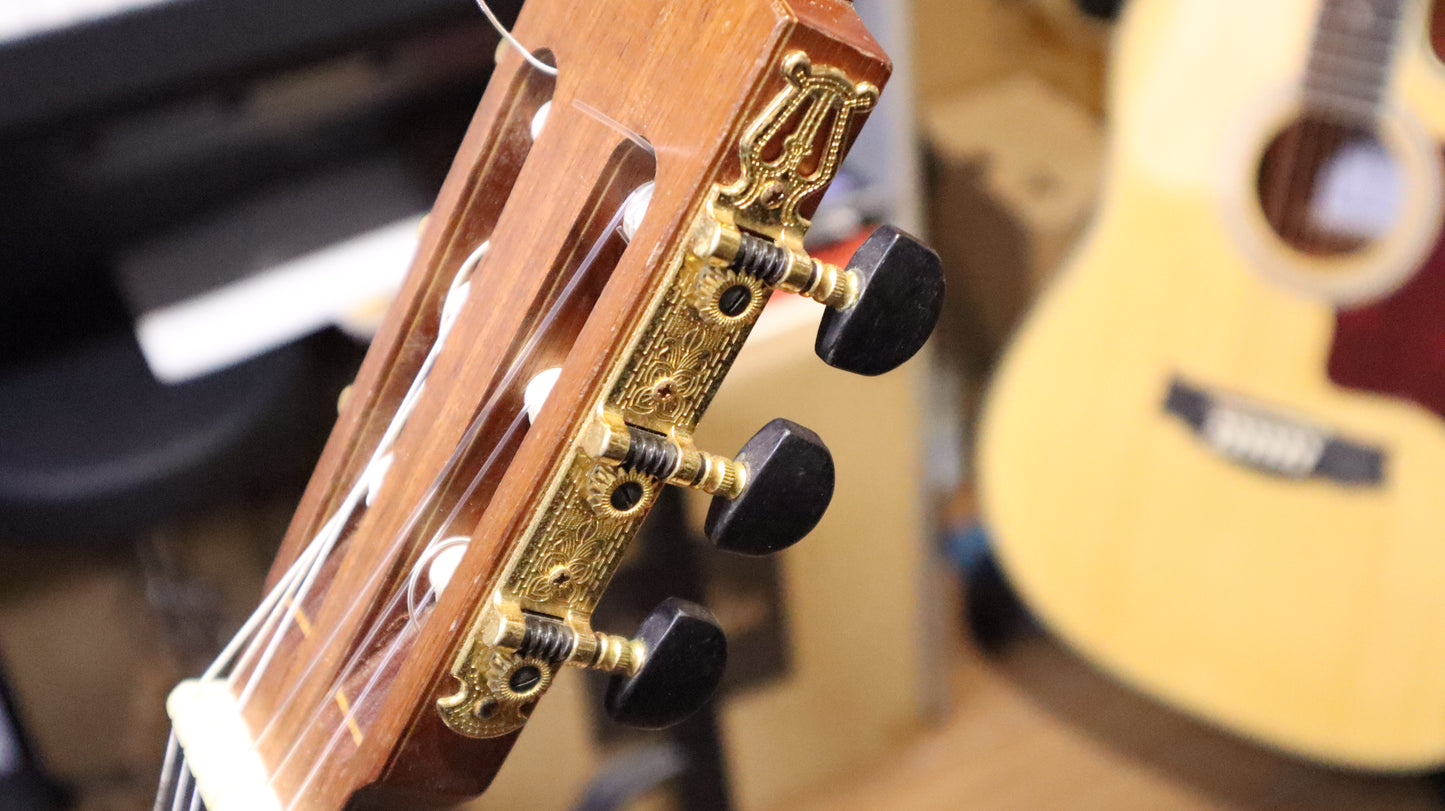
(765,499)
(785,269)
(677,463)
(684,653)
(881,308)
(664,674)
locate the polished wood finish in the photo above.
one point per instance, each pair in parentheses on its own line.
(648,89)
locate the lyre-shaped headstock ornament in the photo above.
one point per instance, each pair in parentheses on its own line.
(772,189)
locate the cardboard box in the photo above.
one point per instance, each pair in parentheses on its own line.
(1016,170)
(963,44)
(94,638)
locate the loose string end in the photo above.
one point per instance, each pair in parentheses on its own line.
(507,35)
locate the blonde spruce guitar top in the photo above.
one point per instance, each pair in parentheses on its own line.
(1265,548)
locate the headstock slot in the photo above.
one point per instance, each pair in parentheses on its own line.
(370,645)
(502,144)
(584,264)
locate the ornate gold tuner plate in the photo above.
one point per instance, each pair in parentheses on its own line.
(539,615)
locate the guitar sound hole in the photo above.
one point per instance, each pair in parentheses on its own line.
(1328,188)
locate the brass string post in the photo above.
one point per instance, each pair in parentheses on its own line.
(782,267)
(675,461)
(553,640)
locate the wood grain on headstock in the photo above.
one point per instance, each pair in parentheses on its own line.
(686,78)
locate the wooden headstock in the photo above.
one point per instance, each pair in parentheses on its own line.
(375,677)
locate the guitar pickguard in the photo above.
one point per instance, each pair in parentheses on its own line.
(1396,346)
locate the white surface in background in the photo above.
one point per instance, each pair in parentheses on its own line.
(348,284)
(23,18)
(1360,192)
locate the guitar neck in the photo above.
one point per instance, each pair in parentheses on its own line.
(1351,58)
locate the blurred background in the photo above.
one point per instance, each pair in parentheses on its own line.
(207,205)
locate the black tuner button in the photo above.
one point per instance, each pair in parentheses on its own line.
(684,654)
(900,295)
(788,484)
(1101,9)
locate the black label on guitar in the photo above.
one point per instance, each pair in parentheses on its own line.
(1271,442)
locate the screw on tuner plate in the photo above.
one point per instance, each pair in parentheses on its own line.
(881,308)
(766,499)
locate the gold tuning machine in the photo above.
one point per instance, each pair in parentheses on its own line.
(881,308)
(662,676)
(765,499)
(554,641)
(672,459)
(782,267)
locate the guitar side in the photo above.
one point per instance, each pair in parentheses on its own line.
(1304,613)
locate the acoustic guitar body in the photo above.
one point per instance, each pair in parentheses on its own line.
(1214,462)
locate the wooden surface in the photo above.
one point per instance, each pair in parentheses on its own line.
(1035,727)
(1303,613)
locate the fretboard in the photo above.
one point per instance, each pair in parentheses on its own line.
(1351,58)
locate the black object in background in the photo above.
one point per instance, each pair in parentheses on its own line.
(161,123)
(131,126)
(1102,9)
(146,52)
(24,786)
(93,450)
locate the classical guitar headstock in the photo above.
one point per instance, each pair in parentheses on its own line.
(598,256)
